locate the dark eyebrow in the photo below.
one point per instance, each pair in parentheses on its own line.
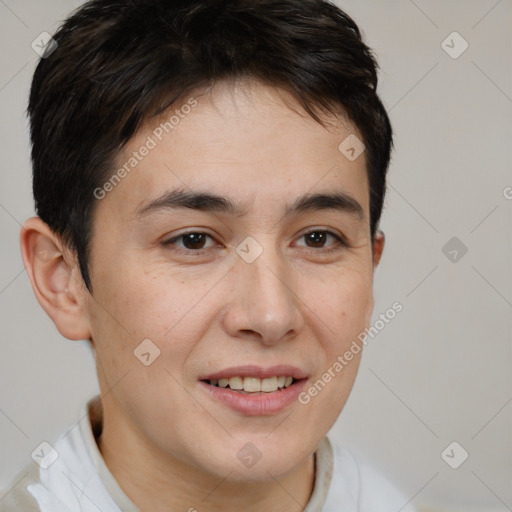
(339,201)
(208,202)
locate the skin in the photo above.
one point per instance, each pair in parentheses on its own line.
(296,304)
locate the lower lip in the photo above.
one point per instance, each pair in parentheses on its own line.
(263,404)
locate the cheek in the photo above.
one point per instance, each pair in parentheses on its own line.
(133,305)
(141,303)
(343,303)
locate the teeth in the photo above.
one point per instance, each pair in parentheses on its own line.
(236,383)
(253,384)
(269,385)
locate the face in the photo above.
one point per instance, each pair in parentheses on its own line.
(253,281)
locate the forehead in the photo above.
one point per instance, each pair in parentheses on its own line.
(249,141)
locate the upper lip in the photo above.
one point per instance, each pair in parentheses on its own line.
(258,372)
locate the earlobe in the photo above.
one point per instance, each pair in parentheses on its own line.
(55,278)
(378,247)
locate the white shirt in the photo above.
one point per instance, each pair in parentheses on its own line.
(78,480)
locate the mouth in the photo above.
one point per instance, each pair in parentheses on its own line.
(255,391)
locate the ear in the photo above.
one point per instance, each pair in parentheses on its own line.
(378,247)
(55,278)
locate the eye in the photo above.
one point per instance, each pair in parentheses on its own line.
(317,238)
(192,241)
(196,241)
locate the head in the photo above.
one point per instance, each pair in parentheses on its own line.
(200,217)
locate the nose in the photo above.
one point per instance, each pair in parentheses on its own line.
(264,305)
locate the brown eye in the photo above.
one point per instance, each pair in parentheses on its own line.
(317,239)
(192,241)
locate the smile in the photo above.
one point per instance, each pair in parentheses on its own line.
(255,391)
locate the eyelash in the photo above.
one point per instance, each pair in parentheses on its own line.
(340,242)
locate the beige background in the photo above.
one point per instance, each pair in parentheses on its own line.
(441,370)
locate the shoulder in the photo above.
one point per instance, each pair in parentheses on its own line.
(370,489)
(63,477)
(16,496)
(49,486)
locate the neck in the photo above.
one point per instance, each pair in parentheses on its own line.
(155,483)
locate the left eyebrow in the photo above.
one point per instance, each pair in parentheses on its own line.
(208,202)
(339,201)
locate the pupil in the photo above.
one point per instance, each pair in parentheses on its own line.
(317,237)
(194,240)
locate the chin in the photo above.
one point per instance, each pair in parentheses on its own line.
(252,459)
